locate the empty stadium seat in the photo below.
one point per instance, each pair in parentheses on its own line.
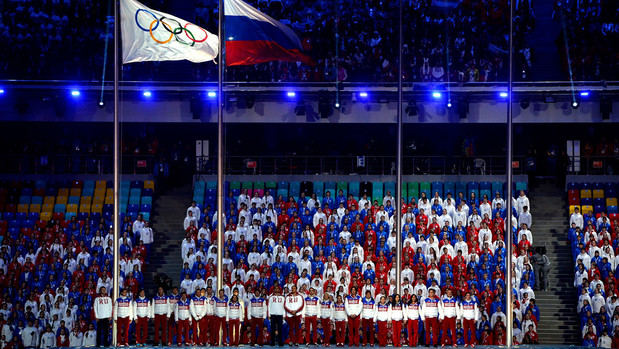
(413,190)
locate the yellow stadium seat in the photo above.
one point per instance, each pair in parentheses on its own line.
(585,194)
(22,208)
(49,200)
(101,184)
(100,192)
(598,193)
(62,200)
(611,201)
(63,192)
(86,200)
(98,200)
(35,208)
(109,192)
(76,192)
(85,208)
(98,208)
(572,207)
(109,200)
(45,216)
(72,208)
(587,209)
(149,185)
(47,208)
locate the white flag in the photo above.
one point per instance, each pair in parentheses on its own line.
(149,35)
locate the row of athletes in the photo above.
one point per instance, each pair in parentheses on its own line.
(211,318)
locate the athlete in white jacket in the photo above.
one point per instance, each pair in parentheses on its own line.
(470,314)
(142,310)
(450,312)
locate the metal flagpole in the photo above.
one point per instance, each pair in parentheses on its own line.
(220,153)
(116,167)
(508,230)
(398,197)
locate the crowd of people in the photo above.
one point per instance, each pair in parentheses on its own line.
(328,269)
(348,39)
(51,273)
(591,31)
(593,240)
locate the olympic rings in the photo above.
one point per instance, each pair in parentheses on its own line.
(174,32)
(205,33)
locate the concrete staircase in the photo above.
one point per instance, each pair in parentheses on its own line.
(169,211)
(559,321)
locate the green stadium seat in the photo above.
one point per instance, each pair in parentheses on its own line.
(425,187)
(412,190)
(343,186)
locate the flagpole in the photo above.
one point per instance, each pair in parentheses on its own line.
(508,231)
(220,152)
(116,168)
(398,198)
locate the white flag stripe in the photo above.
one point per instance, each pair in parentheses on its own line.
(150,35)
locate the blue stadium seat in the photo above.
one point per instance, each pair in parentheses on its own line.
(36,200)
(390,186)
(282,185)
(461,188)
(295,189)
(353,189)
(449,188)
(437,187)
(612,209)
(319,188)
(283,193)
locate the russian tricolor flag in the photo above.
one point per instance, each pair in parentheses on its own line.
(253,37)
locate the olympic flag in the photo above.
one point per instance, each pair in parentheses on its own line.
(149,35)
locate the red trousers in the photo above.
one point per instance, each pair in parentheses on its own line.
(368,330)
(256,327)
(432,328)
(122,335)
(219,324)
(171,329)
(449,324)
(353,330)
(469,325)
(204,328)
(310,328)
(413,333)
(326,326)
(397,332)
(141,330)
(182,332)
(340,332)
(234,331)
(294,323)
(161,326)
(382,333)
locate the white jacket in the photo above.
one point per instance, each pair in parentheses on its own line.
(326,310)
(198,306)
(353,305)
(450,308)
(339,312)
(30,336)
(312,306)
(396,312)
(123,308)
(235,311)
(257,308)
(294,303)
(161,306)
(382,312)
(142,308)
(76,340)
(89,339)
(411,312)
(48,340)
(430,307)
(469,310)
(103,307)
(182,310)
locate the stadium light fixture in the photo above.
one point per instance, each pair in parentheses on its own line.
(147,94)
(211,94)
(449,105)
(337,105)
(75,93)
(1,91)
(437,95)
(503,94)
(584,93)
(291,94)
(575,104)
(363,94)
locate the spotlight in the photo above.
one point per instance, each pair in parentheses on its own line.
(363,95)
(147,94)
(436,95)
(101,104)
(75,93)
(575,104)
(1,91)
(411,108)
(291,94)
(503,94)
(584,93)
(337,105)
(211,94)
(449,105)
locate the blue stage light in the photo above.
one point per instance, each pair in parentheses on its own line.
(363,94)
(436,95)
(503,94)
(291,94)
(584,93)
(147,94)
(75,93)
(1,91)
(211,94)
